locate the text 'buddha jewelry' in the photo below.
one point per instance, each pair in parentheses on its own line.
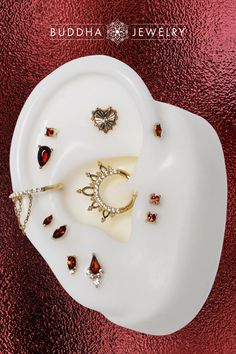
(17,198)
(93,191)
(95,271)
(104,119)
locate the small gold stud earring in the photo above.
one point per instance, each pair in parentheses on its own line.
(104,119)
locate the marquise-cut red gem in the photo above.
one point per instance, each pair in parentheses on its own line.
(59,232)
(71,263)
(158,130)
(155,199)
(47,220)
(151,217)
(51,132)
(44,154)
(94,265)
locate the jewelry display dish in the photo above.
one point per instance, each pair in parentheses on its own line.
(135,198)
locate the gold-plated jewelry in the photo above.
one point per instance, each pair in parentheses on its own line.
(104,119)
(151,217)
(47,220)
(17,198)
(59,232)
(95,271)
(72,264)
(44,154)
(93,191)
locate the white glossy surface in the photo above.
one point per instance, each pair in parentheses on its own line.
(157,277)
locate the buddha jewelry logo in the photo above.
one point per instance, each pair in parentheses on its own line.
(118,32)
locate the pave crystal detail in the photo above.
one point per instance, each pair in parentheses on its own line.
(47,220)
(104,119)
(95,272)
(157,130)
(93,191)
(59,232)
(44,154)
(71,264)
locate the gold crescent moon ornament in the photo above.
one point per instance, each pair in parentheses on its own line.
(93,191)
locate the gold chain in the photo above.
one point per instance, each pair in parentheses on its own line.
(17,198)
(18,210)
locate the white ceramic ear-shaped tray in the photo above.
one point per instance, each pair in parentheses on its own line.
(156,276)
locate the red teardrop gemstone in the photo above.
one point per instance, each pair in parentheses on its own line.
(51,132)
(151,217)
(155,199)
(47,220)
(158,130)
(94,265)
(44,154)
(59,232)
(71,263)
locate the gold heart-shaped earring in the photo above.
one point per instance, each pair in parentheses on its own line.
(104,119)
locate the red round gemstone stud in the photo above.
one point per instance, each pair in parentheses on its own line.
(151,217)
(155,199)
(44,154)
(157,130)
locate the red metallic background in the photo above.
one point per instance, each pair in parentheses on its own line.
(198,74)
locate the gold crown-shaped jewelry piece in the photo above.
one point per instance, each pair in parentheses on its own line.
(93,191)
